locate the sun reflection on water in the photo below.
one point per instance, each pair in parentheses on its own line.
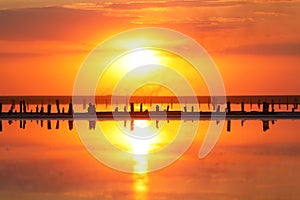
(140,149)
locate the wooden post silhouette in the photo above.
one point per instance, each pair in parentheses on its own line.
(21,106)
(0,125)
(0,108)
(70,111)
(42,110)
(24,106)
(57,106)
(265,107)
(49,109)
(141,107)
(243,107)
(132,107)
(228,106)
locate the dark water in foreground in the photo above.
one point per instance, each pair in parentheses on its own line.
(246,163)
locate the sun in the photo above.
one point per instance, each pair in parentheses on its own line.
(140,57)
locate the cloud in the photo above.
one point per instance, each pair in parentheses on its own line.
(138,5)
(288,49)
(55,23)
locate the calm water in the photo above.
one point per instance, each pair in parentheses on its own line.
(247,163)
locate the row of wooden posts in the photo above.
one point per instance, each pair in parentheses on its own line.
(23,108)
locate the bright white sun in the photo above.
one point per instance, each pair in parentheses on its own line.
(140,57)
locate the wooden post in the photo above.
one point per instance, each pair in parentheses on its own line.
(228,106)
(49,109)
(42,110)
(24,106)
(168,107)
(37,109)
(157,108)
(218,109)
(192,108)
(57,106)
(132,107)
(21,104)
(141,107)
(265,107)
(70,111)
(243,107)
(0,108)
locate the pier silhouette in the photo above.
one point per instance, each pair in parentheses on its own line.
(188,112)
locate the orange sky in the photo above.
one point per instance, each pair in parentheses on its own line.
(255,44)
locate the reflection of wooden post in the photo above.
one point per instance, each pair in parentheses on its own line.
(49,125)
(57,124)
(132,125)
(0,125)
(57,106)
(265,125)
(42,123)
(24,124)
(228,126)
(70,123)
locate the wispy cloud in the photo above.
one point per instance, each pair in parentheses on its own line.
(290,49)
